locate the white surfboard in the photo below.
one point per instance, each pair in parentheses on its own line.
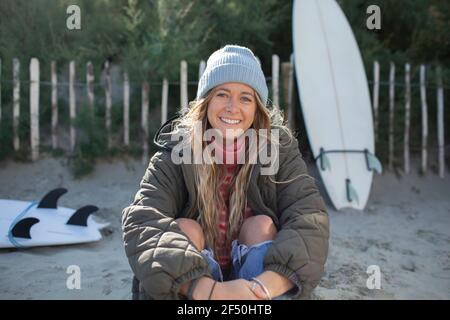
(335,101)
(29,224)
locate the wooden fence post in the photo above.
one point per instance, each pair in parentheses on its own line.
(90,84)
(0,91)
(423,99)
(72,105)
(108,102)
(376,94)
(16,103)
(34,108)
(164,100)
(288,80)
(126,109)
(290,103)
(54,81)
(144,121)
(391,114)
(275,80)
(440,123)
(201,69)
(407,118)
(183,85)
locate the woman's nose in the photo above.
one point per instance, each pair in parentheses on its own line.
(231,105)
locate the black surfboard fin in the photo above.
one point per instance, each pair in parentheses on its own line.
(79,218)
(22,228)
(50,200)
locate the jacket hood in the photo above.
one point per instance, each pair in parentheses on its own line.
(163,137)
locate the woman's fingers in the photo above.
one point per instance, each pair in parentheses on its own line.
(236,290)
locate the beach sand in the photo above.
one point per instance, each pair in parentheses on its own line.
(404,230)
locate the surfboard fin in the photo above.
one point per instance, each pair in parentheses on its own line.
(373,164)
(50,200)
(79,218)
(352,195)
(22,228)
(324,161)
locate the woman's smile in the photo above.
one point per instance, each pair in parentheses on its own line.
(230,121)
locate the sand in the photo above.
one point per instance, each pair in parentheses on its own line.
(404,230)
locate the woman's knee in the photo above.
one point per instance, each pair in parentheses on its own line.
(257,229)
(193,231)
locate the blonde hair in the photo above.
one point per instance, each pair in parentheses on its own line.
(209,176)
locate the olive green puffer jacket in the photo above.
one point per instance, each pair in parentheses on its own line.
(161,256)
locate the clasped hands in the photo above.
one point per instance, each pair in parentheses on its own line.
(239,289)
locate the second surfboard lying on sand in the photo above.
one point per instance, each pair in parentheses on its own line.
(29,224)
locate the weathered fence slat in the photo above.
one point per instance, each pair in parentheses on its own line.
(183,85)
(164,100)
(16,103)
(144,121)
(391,114)
(54,81)
(108,102)
(440,123)
(126,109)
(0,91)
(90,84)
(201,69)
(375,97)
(290,104)
(275,80)
(288,80)
(72,105)
(423,99)
(406,164)
(34,108)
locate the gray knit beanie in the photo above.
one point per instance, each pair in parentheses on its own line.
(233,63)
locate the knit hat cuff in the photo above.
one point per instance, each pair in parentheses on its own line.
(233,72)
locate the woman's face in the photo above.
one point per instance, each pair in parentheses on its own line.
(233,106)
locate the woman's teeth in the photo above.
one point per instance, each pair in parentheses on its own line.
(230,121)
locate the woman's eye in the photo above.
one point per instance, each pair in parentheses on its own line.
(221,95)
(247,99)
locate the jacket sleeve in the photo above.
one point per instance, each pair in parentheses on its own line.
(300,249)
(160,255)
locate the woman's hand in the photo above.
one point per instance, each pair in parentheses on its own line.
(239,289)
(258,291)
(275,283)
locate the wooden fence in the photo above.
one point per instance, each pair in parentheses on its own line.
(287,73)
(407,116)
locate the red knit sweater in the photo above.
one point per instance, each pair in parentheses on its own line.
(223,249)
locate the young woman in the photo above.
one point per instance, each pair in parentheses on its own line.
(204,228)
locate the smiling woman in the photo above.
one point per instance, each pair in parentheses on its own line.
(218,230)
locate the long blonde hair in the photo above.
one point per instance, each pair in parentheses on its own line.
(209,176)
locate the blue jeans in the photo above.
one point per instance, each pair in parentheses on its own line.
(247,262)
